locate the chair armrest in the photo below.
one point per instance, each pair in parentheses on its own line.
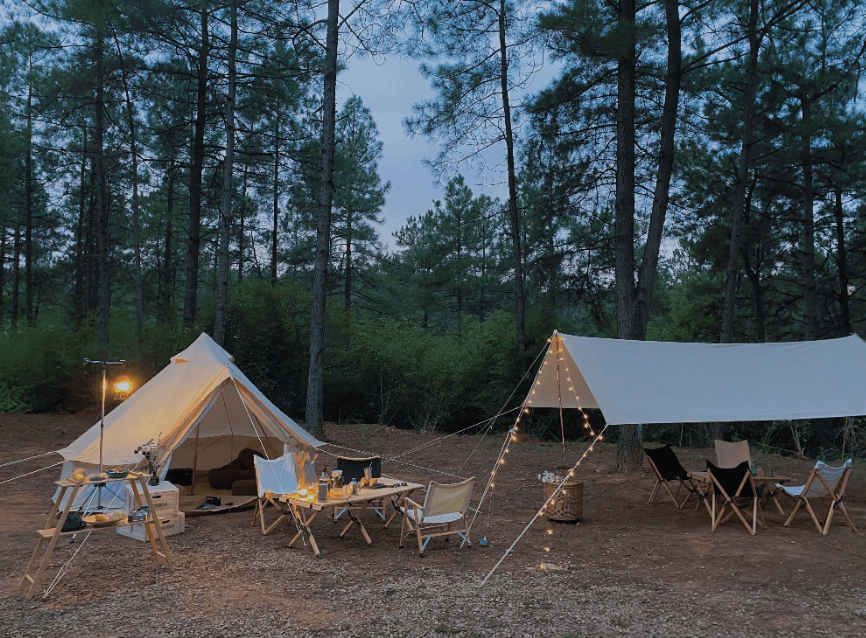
(413,503)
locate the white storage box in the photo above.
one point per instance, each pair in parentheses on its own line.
(166,499)
(171,525)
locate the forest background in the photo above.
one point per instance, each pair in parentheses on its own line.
(695,172)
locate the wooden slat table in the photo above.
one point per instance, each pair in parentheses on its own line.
(306,509)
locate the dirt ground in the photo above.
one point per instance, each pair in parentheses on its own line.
(628,568)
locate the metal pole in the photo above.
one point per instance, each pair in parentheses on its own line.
(104,365)
(101,437)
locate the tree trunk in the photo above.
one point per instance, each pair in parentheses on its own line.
(190,299)
(242,229)
(661,196)
(28,204)
(276,212)
(347,292)
(810,304)
(16,274)
(224,258)
(104,299)
(629,457)
(165,311)
(2,267)
(842,266)
(315,381)
(727,331)
(136,222)
(79,302)
(519,295)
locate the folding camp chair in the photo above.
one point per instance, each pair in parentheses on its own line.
(730,455)
(443,513)
(667,467)
(733,488)
(823,480)
(353,468)
(274,478)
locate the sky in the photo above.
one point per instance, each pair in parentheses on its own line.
(389,89)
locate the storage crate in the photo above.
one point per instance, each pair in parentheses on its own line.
(171,525)
(567,506)
(166,498)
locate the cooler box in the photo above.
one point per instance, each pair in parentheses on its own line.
(171,525)
(166,498)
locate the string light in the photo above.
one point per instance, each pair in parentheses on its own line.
(512,436)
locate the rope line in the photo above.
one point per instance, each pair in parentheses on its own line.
(64,568)
(442,438)
(501,413)
(388,458)
(30,458)
(509,435)
(558,489)
(47,467)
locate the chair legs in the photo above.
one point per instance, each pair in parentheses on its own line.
(835,503)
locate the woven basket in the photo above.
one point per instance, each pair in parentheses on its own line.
(568,504)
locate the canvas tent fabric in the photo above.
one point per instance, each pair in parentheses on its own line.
(201,408)
(663,382)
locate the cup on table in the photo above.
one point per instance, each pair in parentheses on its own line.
(368,473)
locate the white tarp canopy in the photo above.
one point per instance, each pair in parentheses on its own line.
(201,408)
(661,382)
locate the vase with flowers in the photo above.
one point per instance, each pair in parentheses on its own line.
(152,453)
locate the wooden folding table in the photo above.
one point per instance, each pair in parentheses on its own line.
(306,509)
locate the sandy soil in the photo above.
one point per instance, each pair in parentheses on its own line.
(629,568)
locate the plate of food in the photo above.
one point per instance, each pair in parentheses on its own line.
(118,473)
(102,520)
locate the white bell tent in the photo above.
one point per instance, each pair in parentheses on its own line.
(201,409)
(663,382)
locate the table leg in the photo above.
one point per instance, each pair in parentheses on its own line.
(355,518)
(304,522)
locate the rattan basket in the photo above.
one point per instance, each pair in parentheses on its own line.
(568,504)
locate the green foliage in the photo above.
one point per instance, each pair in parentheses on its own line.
(12,400)
(268,334)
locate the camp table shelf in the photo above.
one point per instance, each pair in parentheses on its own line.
(52,530)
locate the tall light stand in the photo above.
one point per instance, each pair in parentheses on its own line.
(104,365)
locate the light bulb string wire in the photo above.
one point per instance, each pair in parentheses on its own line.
(502,411)
(503,450)
(550,498)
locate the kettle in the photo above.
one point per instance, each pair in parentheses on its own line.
(73,522)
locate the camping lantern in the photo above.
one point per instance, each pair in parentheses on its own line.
(122,389)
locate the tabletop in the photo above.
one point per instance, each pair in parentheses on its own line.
(389,488)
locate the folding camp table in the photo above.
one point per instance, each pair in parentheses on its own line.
(306,509)
(771,490)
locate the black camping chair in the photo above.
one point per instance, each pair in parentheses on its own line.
(734,489)
(353,468)
(667,467)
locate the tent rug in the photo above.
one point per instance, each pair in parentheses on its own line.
(201,505)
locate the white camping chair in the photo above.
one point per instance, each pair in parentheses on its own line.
(443,513)
(824,480)
(273,478)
